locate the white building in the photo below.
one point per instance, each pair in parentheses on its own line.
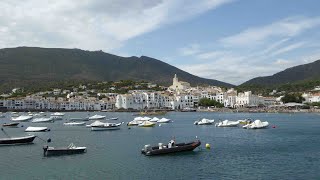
(248,99)
(179,85)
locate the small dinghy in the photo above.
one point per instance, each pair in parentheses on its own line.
(172,147)
(10,124)
(204,121)
(105,127)
(147,124)
(257,124)
(227,123)
(36,129)
(71,149)
(43,120)
(96,117)
(164,120)
(133,123)
(21,118)
(74,124)
(114,118)
(55,118)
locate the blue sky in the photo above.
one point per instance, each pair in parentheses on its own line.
(227,40)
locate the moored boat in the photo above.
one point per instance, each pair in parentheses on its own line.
(10,124)
(97,117)
(164,120)
(133,123)
(43,120)
(36,129)
(106,126)
(55,118)
(146,124)
(204,121)
(57,114)
(172,147)
(17,140)
(257,124)
(21,118)
(227,123)
(74,123)
(154,119)
(71,149)
(114,118)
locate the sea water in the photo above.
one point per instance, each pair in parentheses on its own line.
(291,150)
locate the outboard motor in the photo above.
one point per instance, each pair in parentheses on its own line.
(147,148)
(45,148)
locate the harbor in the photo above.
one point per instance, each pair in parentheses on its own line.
(235,152)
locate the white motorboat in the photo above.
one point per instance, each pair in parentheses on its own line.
(42,120)
(74,124)
(164,120)
(106,126)
(141,119)
(204,121)
(155,119)
(36,129)
(133,123)
(96,117)
(114,118)
(22,118)
(227,123)
(257,124)
(57,114)
(96,123)
(146,124)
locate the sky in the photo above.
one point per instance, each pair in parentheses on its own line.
(227,40)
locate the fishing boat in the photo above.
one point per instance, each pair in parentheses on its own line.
(36,129)
(172,147)
(227,123)
(106,126)
(97,117)
(17,140)
(10,124)
(71,149)
(22,118)
(147,124)
(79,119)
(74,123)
(204,121)
(57,114)
(43,120)
(257,124)
(164,120)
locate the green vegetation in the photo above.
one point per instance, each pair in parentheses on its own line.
(208,102)
(37,68)
(293,97)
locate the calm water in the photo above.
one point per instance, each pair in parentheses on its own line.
(290,151)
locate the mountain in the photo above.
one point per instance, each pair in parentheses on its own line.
(306,72)
(33,66)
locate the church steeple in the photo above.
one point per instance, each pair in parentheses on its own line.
(175,79)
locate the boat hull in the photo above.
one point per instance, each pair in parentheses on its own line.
(177,148)
(60,152)
(17,141)
(103,128)
(10,125)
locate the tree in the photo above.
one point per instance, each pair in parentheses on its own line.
(293,97)
(208,102)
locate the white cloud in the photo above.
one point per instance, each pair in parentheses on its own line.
(288,27)
(288,48)
(211,55)
(190,50)
(90,24)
